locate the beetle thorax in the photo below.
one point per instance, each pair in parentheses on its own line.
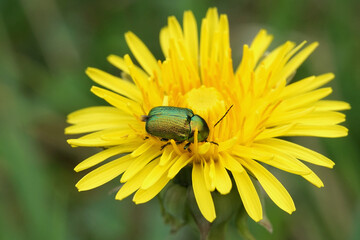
(199,123)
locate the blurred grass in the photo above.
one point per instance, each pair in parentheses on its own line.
(45,47)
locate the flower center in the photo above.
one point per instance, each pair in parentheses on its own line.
(206,102)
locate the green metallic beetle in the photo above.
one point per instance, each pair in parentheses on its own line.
(178,124)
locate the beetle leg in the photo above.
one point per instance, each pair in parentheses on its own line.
(187,147)
(163,146)
(146,137)
(164,139)
(212,142)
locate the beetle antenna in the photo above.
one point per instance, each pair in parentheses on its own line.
(224,115)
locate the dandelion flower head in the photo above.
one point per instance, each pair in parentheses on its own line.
(197,73)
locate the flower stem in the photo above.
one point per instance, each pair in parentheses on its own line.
(204,228)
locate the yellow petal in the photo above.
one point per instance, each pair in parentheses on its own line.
(135,182)
(281,159)
(213,19)
(174,29)
(151,92)
(114,83)
(139,163)
(164,41)
(166,155)
(208,27)
(95,139)
(191,35)
(142,54)
(118,101)
(103,155)
(203,148)
(296,61)
(294,50)
(303,100)
(204,47)
(121,135)
(142,196)
(306,85)
(287,117)
(271,185)
(314,179)
(231,163)
(142,81)
(321,118)
(222,180)
(275,59)
(248,195)
(226,145)
(120,63)
(143,148)
(180,163)
(303,170)
(156,174)
(96,126)
(331,131)
(250,152)
(202,195)
(246,65)
(95,114)
(331,105)
(274,132)
(225,60)
(299,152)
(104,173)
(260,43)
(209,174)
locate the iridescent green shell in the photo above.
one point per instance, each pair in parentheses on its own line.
(176,123)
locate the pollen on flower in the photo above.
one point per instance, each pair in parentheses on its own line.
(199,75)
(206,102)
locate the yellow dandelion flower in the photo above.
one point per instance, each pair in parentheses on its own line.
(199,75)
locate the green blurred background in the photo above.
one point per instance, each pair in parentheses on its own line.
(45,46)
